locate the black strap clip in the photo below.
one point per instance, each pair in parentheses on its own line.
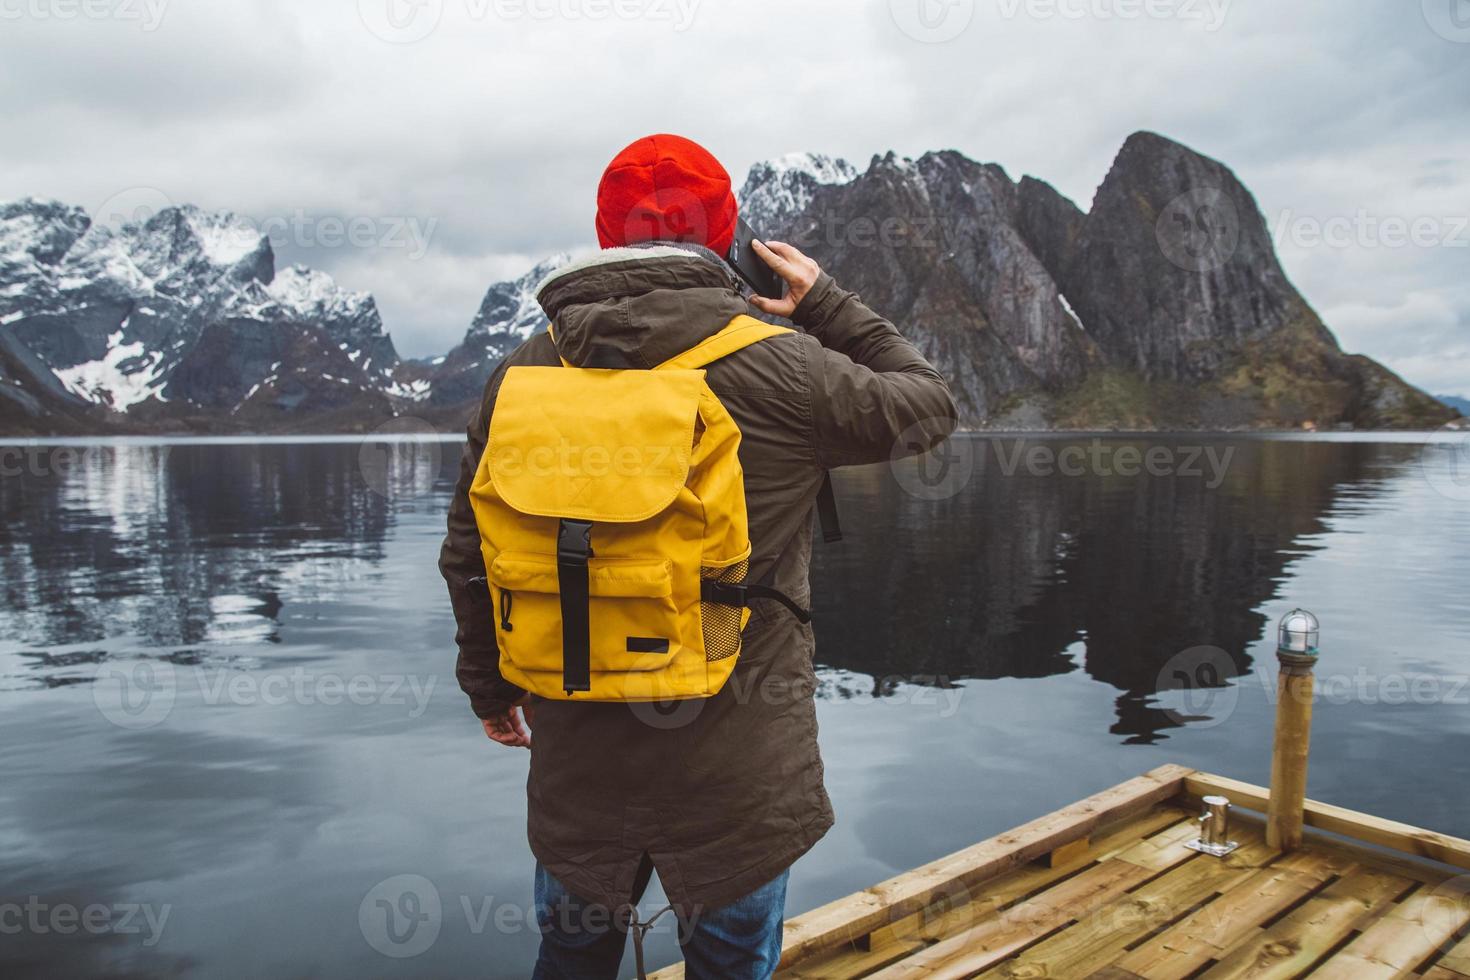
(573,549)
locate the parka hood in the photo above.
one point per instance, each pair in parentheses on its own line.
(639,305)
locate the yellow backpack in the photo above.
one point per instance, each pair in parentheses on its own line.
(611,511)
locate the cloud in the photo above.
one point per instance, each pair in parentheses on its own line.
(495,124)
(1425,334)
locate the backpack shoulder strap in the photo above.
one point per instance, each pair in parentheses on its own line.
(740,333)
(736,335)
(551,332)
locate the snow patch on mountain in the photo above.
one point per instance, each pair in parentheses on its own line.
(777,191)
(1070,312)
(414,391)
(314,296)
(127,375)
(510,308)
(224,237)
(820,167)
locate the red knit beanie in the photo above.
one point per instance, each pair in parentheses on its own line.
(665,188)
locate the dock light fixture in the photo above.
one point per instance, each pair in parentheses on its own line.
(1298,634)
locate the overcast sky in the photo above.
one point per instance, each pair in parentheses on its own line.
(465,137)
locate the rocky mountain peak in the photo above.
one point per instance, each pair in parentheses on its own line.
(189,244)
(508,315)
(348,317)
(778,190)
(1173,268)
(510,308)
(39,230)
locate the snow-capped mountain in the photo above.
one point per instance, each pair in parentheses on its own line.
(34,237)
(778,191)
(351,318)
(183,314)
(509,309)
(508,315)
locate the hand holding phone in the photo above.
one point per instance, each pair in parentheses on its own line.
(749,264)
(797,271)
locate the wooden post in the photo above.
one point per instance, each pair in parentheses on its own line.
(1285,809)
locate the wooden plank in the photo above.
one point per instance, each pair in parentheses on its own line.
(1438,972)
(1291,945)
(1353,852)
(854,963)
(1457,960)
(990,942)
(1203,936)
(1453,851)
(1403,938)
(1069,853)
(846,920)
(1164,849)
(943,918)
(1093,943)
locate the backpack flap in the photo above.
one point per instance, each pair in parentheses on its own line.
(591,444)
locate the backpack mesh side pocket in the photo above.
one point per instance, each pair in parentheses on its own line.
(722,622)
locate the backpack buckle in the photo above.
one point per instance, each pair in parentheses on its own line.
(573,542)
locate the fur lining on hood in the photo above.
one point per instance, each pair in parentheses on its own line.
(643,304)
(641,253)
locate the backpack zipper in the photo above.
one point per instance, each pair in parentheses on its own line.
(506,598)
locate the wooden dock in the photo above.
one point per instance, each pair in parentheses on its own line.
(1106,889)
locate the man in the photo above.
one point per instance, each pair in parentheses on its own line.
(719,795)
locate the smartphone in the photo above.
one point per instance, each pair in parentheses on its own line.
(752,268)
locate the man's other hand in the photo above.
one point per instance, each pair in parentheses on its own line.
(790,264)
(511,728)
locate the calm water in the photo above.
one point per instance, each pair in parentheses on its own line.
(230,720)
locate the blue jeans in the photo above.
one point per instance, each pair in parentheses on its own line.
(579,941)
